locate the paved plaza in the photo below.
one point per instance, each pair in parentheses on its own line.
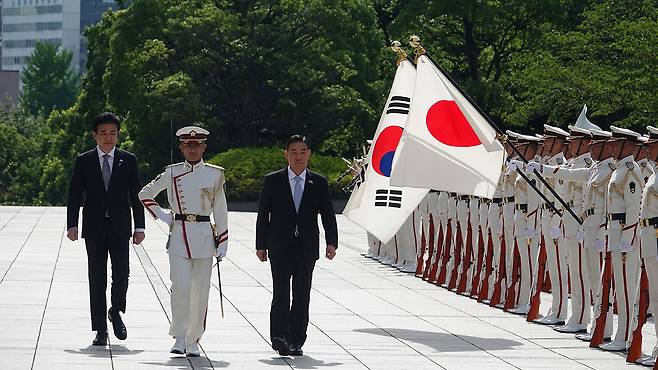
(364,315)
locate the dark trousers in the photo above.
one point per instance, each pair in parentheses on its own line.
(288,321)
(98,249)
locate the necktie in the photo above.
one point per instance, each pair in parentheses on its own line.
(106,170)
(297,194)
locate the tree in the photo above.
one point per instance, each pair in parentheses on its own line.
(608,62)
(49,81)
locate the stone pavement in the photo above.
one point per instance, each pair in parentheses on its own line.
(364,315)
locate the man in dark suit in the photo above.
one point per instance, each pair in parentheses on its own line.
(287,231)
(106,181)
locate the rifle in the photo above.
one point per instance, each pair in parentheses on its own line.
(510,296)
(467,260)
(604,305)
(475,283)
(502,276)
(445,256)
(484,288)
(423,246)
(459,243)
(535,298)
(635,350)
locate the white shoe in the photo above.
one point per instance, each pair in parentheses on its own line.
(586,337)
(549,320)
(571,328)
(614,346)
(520,310)
(192,350)
(651,362)
(179,347)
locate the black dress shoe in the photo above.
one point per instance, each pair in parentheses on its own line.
(117,324)
(101,338)
(281,345)
(296,350)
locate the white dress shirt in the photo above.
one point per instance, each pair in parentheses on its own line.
(291,180)
(110,159)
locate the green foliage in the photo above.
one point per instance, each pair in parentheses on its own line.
(49,81)
(245,168)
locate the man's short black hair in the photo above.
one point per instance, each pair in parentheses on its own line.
(296,139)
(105,117)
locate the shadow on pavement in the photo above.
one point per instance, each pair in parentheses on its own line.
(444,342)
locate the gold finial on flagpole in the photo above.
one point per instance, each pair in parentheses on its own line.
(396,47)
(414,41)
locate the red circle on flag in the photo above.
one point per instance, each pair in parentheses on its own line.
(447,124)
(384,149)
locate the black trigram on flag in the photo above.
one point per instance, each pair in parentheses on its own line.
(388,198)
(398,104)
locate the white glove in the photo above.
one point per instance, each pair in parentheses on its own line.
(599,245)
(165,217)
(556,232)
(626,246)
(220,252)
(513,164)
(580,236)
(532,165)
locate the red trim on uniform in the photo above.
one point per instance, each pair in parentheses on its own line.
(222,234)
(556,169)
(559,277)
(173,179)
(223,240)
(147,208)
(413,221)
(395,238)
(628,316)
(148,200)
(582,287)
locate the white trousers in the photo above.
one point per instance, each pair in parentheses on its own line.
(626,275)
(580,283)
(556,260)
(190,286)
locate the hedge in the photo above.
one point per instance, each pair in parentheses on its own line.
(245,168)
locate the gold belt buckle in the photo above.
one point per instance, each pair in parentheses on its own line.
(191,218)
(623,257)
(656,230)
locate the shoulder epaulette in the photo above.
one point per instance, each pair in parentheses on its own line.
(214,166)
(174,165)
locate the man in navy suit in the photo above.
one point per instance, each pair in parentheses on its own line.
(106,181)
(287,231)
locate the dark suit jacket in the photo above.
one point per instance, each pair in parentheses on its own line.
(87,188)
(275,225)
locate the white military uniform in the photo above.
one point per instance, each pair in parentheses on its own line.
(449,237)
(473,221)
(577,172)
(509,178)
(649,249)
(494,228)
(623,202)
(439,213)
(193,190)
(556,257)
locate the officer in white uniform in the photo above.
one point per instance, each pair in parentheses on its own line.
(195,191)
(649,235)
(525,224)
(551,228)
(623,206)
(575,175)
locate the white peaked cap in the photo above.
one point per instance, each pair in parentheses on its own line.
(625,133)
(555,131)
(600,134)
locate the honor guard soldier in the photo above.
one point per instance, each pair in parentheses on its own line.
(575,174)
(525,220)
(649,235)
(623,207)
(195,191)
(556,257)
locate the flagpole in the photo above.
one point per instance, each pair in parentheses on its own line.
(414,41)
